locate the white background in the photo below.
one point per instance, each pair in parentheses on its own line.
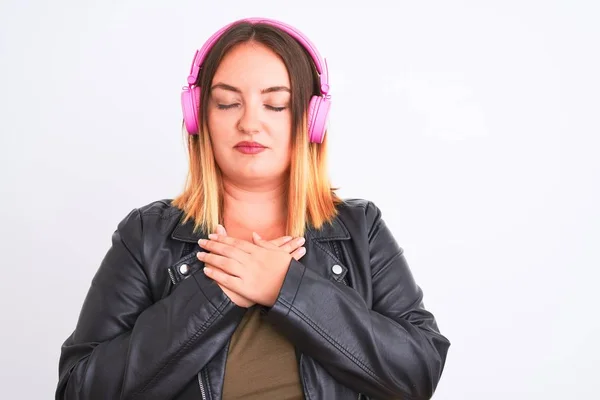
(472,125)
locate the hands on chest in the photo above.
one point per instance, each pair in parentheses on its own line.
(249,273)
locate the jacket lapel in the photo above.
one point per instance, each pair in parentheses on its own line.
(185,232)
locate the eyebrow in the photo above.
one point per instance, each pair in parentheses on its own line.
(271,89)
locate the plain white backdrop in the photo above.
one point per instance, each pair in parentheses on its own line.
(473,125)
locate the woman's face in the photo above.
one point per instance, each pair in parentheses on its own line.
(250,102)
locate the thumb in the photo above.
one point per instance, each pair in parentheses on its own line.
(221,230)
(261,242)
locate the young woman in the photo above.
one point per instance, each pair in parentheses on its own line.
(257,281)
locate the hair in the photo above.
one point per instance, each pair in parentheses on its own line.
(310,197)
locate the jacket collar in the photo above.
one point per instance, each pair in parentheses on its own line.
(334,231)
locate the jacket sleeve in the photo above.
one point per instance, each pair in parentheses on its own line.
(392,350)
(125,345)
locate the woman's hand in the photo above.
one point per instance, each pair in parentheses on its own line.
(253,271)
(286,243)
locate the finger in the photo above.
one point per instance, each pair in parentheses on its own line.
(223,278)
(225,264)
(293,245)
(234,242)
(281,241)
(223,249)
(299,253)
(262,243)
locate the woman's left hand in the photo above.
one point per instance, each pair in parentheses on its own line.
(253,270)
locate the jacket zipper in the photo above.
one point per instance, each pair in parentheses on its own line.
(201,383)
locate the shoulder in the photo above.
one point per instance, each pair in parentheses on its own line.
(363,219)
(359,210)
(162,208)
(157,214)
(360,206)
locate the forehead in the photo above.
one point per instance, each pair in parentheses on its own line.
(252,65)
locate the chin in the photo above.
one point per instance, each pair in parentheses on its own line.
(261,175)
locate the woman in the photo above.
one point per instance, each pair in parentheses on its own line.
(299,294)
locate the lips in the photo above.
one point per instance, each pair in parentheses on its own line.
(249,147)
(250,144)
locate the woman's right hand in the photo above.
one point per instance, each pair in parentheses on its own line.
(294,246)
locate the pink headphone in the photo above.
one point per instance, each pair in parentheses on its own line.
(318,109)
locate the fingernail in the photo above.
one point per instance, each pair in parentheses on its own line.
(302,250)
(202,242)
(213,236)
(301,240)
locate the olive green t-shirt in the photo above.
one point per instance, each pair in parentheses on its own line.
(261,362)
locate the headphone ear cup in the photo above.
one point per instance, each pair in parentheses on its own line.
(318,114)
(190,105)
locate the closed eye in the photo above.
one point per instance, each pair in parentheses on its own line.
(230,106)
(278,109)
(226,106)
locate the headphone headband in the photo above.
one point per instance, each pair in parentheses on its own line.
(320,63)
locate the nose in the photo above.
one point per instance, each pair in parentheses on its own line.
(250,120)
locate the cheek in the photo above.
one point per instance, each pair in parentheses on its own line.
(218,128)
(214,123)
(283,142)
(284,126)
(285,147)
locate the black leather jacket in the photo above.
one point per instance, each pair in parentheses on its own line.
(153,326)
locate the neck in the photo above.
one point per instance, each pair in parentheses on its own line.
(255,208)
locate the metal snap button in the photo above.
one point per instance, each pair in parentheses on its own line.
(337,269)
(184,269)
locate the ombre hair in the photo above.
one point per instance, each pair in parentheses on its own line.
(311,201)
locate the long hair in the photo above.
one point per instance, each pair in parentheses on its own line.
(310,198)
